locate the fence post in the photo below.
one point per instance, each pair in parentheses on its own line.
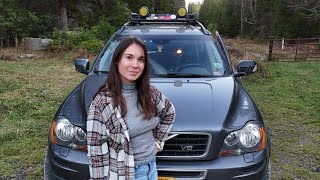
(270,47)
(297,47)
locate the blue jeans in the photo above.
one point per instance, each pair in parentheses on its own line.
(147,171)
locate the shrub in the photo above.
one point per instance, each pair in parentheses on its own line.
(89,39)
(92,45)
(103,31)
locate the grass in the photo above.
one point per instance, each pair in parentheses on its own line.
(289,100)
(30,93)
(32,89)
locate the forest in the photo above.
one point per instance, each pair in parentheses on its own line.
(89,23)
(72,23)
(262,18)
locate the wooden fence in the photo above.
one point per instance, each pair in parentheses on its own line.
(294,49)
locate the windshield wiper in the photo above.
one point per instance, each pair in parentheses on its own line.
(182,75)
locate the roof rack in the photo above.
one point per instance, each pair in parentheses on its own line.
(203,29)
(122,28)
(181,17)
(165,18)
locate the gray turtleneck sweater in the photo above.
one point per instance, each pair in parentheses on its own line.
(140,129)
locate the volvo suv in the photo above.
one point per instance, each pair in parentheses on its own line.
(219,131)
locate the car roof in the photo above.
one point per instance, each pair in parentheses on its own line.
(162,29)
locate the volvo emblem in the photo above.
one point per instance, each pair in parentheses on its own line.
(186,148)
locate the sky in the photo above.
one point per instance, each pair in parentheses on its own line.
(194,1)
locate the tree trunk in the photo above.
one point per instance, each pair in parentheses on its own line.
(63,14)
(241,18)
(155,6)
(16,42)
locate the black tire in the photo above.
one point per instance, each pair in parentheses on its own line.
(46,168)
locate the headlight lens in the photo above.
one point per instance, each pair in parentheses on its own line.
(64,130)
(66,134)
(250,135)
(80,134)
(232,138)
(250,138)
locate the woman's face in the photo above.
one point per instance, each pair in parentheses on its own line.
(131,63)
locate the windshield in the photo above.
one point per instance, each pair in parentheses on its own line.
(175,57)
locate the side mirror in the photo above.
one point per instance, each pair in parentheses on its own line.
(246,67)
(82,65)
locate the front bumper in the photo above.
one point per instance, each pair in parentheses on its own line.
(249,166)
(65,163)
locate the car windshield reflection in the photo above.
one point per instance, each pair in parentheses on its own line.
(175,58)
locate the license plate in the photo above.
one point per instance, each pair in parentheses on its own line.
(166,178)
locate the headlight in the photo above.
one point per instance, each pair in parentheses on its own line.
(232,138)
(66,134)
(250,138)
(80,134)
(64,130)
(250,135)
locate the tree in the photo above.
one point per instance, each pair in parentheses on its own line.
(16,21)
(250,18)
(63,14)
(265,15)
(309,8)
(194,8)
(156,6)
(220,15)
(134,6)
(205,12)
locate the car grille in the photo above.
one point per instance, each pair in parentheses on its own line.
(186,145)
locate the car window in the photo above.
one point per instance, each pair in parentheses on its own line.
(106,57)
(180,57)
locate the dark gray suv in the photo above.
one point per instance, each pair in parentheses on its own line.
(219,132)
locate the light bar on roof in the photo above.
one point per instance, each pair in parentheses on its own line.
(144,16)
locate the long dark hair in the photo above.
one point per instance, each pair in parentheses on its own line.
(113,84)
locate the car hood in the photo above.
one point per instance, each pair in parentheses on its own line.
(201,104)
(215,106)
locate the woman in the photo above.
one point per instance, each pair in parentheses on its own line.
(128,119)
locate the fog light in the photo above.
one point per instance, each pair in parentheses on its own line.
(182,12)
